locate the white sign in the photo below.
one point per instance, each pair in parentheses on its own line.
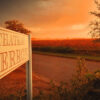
(14,50)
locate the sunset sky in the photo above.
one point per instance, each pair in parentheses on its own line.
(50,19)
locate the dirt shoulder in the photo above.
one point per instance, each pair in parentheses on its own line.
(15,83)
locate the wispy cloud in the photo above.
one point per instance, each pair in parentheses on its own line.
(78,27)
(47,17)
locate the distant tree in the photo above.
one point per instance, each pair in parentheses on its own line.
(95,25)
(15,25)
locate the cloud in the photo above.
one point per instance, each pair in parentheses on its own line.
(78,27)
(46,17)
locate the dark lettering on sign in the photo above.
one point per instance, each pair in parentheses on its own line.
(11,58)
(10,40)
(14,50)
(4,60)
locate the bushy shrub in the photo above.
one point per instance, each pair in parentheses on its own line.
(83,86)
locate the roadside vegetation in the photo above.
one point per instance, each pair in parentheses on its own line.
(83,86)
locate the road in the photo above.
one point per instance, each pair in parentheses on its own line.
(58,68)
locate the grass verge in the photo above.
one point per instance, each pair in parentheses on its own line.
(87,57)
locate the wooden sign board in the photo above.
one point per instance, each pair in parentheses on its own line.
(13,50)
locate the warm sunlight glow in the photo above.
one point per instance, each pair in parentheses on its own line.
(51,19)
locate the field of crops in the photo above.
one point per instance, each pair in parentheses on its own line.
(76,46)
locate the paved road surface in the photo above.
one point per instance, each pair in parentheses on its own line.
(58,68)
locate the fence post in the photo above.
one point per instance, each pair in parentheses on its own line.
(29,72)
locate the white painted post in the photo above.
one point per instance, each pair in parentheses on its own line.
(29,72)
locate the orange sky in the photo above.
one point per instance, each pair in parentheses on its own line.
(65,19)
(51,19)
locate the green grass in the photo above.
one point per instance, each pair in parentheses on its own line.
(70,55)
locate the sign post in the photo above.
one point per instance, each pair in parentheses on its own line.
(29,72)
(15,50)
